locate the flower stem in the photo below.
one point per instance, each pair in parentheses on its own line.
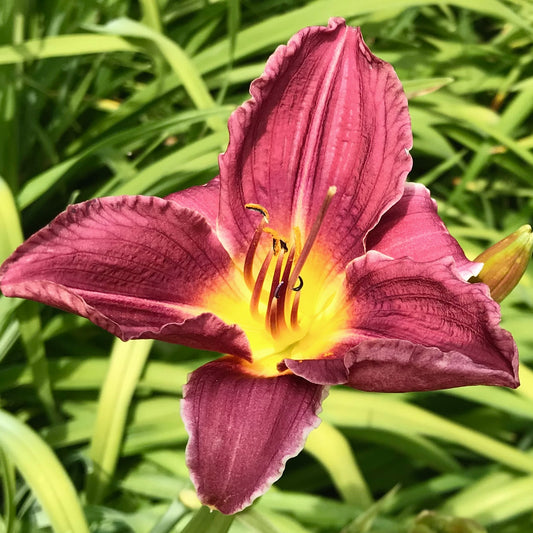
(207,520)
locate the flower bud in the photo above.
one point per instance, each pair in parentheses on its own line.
(505,262)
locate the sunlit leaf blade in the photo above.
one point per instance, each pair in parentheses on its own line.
(127,363)
(29,322)
(331,448)
(7,475)
(358,409)
(177,59)
(10,230)
(43,473)
(207,520)
(63,45)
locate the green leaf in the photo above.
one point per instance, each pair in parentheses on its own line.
(332,450)
(127,363)
(63,46)
(7,475)
(496,501)
(431,522)
(29,321)
(178,60)
(10,230)
(206,520)
(364,522)
(358,409)
(43,473)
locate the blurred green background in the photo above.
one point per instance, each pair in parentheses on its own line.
(108,97)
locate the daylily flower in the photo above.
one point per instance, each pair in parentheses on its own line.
(308,262)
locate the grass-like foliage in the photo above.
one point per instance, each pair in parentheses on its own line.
(116,97)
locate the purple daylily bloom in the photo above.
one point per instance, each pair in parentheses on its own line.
(308,261)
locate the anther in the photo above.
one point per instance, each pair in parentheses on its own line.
(259,209)
(258,285)
(300,284)
(278,244)
(278,288)
(250,254)
(271,322)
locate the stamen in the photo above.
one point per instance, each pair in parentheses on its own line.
(258,286)
(297,239)
(278,288)
(311,238)
(286,279)
(250,254)
(282,292)
(278,243)
(294,311)
(270,317)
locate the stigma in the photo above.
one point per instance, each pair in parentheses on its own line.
(277,285)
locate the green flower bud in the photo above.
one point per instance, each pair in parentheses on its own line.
(505,262)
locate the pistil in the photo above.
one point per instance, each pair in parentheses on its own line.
(270,317)
(308,245)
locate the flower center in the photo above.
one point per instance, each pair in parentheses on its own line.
(284,303)
(275,291)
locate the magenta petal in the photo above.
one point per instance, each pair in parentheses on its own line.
(326,112)
(415,326)
(136,266)
(428,306)
(392,365)
(385,365)
(328,371)
(201,198)
(242,429)
(412,228)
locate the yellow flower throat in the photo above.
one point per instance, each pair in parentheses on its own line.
(290,311)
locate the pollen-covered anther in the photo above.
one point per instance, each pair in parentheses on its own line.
(278,244)
(259,209)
